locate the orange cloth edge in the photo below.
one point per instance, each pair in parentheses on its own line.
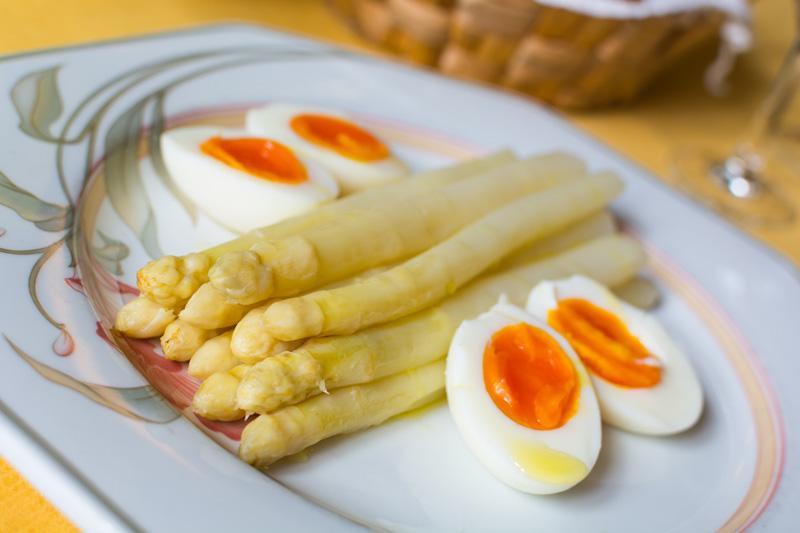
(24,508)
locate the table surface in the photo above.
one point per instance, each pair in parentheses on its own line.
(676,112)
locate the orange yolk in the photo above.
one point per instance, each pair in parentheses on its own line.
(604,344)
(259,157)
(341,136)
(530,378)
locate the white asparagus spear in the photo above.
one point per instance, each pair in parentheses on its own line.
(213,356)
(382,234)
(640,292)
(209,308)
(251,342)
(181,340)
(293,429)
(438,272)
(215,399)
(592,227)
(142,318)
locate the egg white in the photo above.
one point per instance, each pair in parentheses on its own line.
(496,440)
(273,121)
(237,199)
(671,406)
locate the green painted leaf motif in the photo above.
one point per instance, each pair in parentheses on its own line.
(110,253)
(123,177)
(38,103)
(46,216)
(157,125)
(141,403)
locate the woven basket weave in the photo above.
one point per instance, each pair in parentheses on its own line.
(566,58)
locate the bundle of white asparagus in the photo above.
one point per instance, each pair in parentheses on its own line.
(339,319)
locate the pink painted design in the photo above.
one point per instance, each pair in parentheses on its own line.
(75,284)
(64,344)
(124,288)
(232,430)
(112,284)
(168,377)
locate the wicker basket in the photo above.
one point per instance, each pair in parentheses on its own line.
(562,57)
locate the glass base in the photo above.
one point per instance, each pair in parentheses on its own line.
(732,186)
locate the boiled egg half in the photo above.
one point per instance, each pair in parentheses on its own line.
(523,401)
(644,382)
(356,157)
(243,181)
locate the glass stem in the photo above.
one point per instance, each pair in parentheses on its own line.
(767,119)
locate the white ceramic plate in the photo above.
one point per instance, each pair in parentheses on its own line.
(86,204)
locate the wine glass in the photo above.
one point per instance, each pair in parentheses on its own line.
(744,184)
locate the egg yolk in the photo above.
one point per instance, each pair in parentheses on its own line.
(263,158)
(530,378)
(341,136)
(604,344)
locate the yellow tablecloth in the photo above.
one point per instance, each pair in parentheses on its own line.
(676,111)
